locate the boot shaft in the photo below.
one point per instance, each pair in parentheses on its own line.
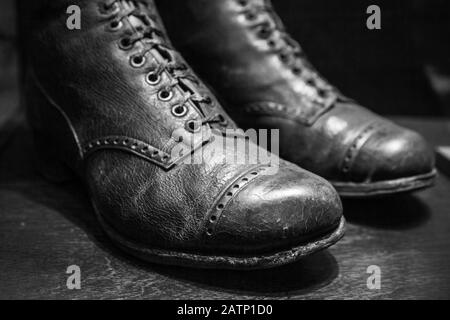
(242,48)
(118,75)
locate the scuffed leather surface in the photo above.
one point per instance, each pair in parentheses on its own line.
(90,79)
(352,144)
(392,152)
(254,216)
(335,138)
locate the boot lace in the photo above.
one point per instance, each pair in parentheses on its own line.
(271,29)
(150,33)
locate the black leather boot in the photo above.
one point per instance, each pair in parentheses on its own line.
(261,75)
(104,103)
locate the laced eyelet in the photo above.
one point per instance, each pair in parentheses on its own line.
(223,120)
(125,44)
(109,9)
(322,93)
(264,33)
(297,71)
(115,25)
(179,111)
(137,61)
(153,78)
(165,95)
(243,3)
(193,126)
(311,82)
(283,57)
(271,43)
(250,16)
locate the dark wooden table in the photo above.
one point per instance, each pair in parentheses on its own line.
(45,228)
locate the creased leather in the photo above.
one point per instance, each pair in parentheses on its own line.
(89,78)
(320,129)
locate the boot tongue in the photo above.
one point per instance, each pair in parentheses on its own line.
(212,114)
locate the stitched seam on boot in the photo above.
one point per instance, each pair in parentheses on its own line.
(356,146)
(283,111)
(213,217)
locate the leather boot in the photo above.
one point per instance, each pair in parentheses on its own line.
(264,80)
(104,103)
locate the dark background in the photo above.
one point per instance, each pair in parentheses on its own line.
(404,68)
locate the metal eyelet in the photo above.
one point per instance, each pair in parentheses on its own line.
(106,9)
(153,78)
(125,44)
(222,120)
(243,3)
(271,43)
(322,93)
(137,61)
(283,57)
(115,25)
(310,82)
(165,95)
(264,33)
(250,16)
(179,110)
(297,71)
(193,126)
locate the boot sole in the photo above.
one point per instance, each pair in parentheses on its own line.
(385,188)
(263,261)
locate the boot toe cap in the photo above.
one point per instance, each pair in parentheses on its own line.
(274,212)
(391,153)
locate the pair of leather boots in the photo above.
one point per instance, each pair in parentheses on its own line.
(105,101)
